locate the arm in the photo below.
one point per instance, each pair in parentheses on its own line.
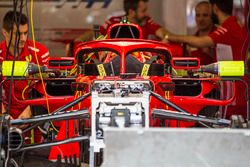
(156,29)
(161,33)
(199,42)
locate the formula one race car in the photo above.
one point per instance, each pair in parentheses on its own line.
(125,83)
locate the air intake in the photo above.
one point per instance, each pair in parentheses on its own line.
(16,138)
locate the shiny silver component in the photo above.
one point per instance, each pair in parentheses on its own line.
(16,138)
(121,104)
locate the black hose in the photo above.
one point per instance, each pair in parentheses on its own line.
(17,38)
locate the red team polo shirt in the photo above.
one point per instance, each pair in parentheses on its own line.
(230,34)
(204,57)
(229,39)
(149,27)
(27,54)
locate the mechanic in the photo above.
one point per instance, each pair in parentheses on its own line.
(136,12)
(26,50)
(229,40)
(205,25)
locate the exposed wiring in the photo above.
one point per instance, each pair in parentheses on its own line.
(34,45)
(17,23)
(101,37)
(80,93)
(28,85)
(174,72)
(73,70)
(24,90)
(15,50)
(39,69)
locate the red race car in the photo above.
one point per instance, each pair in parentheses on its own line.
(123,82)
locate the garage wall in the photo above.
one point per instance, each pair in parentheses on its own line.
(174,16)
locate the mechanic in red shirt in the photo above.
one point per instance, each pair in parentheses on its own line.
(205,25)
(229,41)
(229,35)
(25,51)
(136,12)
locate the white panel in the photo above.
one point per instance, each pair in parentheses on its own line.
(176,147)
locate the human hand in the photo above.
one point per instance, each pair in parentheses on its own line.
(166,39)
